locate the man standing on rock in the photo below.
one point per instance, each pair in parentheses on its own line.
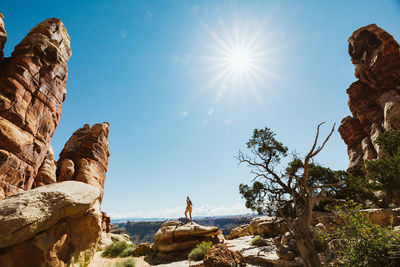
(188,208)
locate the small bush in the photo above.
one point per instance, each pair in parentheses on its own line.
(119,249)
(200,251)
(126,263)
(255,240)
(129,251)
(358,242)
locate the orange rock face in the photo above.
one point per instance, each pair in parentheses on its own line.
(3,35)
(374,100)
(85,156)
(32,89)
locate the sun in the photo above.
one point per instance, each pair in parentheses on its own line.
(239,60)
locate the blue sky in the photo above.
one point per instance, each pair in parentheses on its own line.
(152,69)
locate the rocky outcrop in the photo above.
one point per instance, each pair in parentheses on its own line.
(239,231)
(267,226)
(374,100)
(219,255)
(174,240)
(57,223)
(85,156)
(266,255)
(32,89)
(53,225)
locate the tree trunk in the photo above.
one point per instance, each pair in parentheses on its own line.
(305,243)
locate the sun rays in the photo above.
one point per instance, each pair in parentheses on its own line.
(236,59)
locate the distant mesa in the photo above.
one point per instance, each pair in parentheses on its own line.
(374,99)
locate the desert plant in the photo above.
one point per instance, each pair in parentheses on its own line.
(200,251)
(293,191)
(126,263)
(359,242)
(255,240)
(129,251)
(119,249)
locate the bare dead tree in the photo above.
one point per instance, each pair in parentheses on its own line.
(291,188)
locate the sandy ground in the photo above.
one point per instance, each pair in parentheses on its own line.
(99,261)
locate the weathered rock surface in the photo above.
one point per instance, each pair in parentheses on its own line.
(47,171)
(52,225)
(105,222)
(143,249)
(261,256)
(3,36)
(374,100)
(174,240)
(382,217)
(85,156)
(32,89)
(240,231)
(57,223)
(267,226)
(220,256)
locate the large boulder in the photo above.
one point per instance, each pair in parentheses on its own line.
(239,231)
(220,256)
(53,225)
(267,226)
(174,240)
(374,100)
(32,89)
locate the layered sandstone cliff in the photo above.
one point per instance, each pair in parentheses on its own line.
(32,89)
(374,99)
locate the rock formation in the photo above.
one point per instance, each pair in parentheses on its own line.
(267,226)
(47,171)
(239,231)
(57,223)
(53,225)
(374,100)
(174,240)
(32,89)
(85,156)
(219,255)
(264,255)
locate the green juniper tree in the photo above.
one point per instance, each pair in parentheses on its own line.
(384,173)
(292,192)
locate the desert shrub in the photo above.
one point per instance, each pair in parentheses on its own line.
(129,251)
(384,173)
(359,242)
(119,249)
(200,251)
(126,263)
(255,240)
